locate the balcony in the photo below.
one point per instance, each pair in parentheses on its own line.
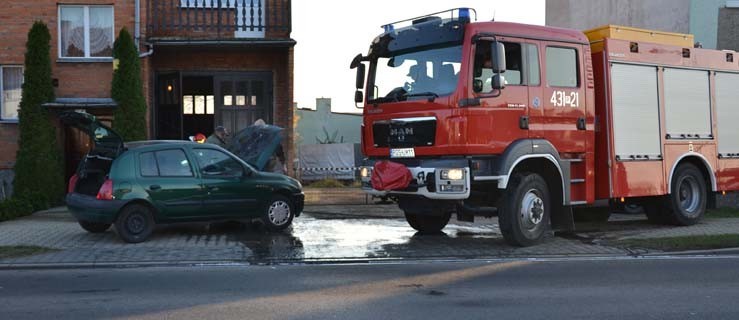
(221,20)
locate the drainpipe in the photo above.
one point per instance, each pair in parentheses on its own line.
(137,33)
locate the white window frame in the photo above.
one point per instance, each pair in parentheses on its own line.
(86,22)
(2,88)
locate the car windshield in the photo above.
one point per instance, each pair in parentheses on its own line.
(419,74)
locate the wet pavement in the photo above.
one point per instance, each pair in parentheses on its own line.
(322,233)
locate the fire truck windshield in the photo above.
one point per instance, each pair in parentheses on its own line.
(421,74)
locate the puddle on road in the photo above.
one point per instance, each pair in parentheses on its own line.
(311,238)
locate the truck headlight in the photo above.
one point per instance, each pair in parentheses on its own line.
(365,172)
(452,174)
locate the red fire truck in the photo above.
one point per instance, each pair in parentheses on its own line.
(528,122)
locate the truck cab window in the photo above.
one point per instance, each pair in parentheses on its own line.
(483,66)
(561,67)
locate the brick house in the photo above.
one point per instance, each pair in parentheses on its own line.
(204,63)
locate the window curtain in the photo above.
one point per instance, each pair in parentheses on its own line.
(11,92)
(72,31)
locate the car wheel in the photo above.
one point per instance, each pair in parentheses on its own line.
(526,207)
(94,227)
(687,202)
(428,223)
(135,223)
(279,213)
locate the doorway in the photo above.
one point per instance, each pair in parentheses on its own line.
(187,104)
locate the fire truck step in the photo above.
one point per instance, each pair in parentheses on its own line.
(577,180)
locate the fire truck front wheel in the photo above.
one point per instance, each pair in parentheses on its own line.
(524,213)
(428,223)
(687,201)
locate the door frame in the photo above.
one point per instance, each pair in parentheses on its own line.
(267,75)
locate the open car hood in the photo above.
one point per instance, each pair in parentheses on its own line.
(256,144)
(107,143)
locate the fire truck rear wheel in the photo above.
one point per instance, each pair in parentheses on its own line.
(428,223)
(687,202)
(525,209)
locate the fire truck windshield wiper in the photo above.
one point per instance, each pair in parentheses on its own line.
(430,94)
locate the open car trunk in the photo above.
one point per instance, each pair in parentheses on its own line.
(107,145)
(91,174)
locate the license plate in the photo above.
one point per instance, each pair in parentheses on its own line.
(402,153)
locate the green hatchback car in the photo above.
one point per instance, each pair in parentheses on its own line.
(138,185)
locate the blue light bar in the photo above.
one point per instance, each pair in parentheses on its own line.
(462,14)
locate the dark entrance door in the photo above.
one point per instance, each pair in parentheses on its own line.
(198,109)
(243,98)
(168,111)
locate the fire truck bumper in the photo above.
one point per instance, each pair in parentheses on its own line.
(448,183)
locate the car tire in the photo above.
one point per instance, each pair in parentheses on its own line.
(279,213)
(686,204)
(424,223)
(94,227)
(135,223)
(526,207)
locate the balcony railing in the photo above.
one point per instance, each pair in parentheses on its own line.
(218,19)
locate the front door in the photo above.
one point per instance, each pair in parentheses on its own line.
(229,191)
(168,112)
(243,98)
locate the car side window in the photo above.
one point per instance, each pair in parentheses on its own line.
(216,163)
(173,163)
(148,165)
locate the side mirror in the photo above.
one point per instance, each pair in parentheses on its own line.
(360,76)
(358,96)
(356,61)
(498,55)
(477,85)
(498,82)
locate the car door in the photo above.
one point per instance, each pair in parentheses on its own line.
(501,114)
(563,98)
(168,177)
(229,190)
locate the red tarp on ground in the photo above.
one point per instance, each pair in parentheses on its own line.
(388,175)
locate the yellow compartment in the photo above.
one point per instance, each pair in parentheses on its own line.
(597,35)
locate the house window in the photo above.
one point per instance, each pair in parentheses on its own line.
(86,31)
(11,84)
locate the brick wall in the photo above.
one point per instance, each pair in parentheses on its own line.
(89,80)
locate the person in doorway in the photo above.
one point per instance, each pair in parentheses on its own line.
(218,137)
(276,162)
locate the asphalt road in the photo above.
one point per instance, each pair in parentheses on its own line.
(685,288)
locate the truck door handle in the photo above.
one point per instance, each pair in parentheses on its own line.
(581,123)
(154,187)
(523,122)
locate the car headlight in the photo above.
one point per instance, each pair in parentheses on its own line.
(452,174)
(365,172)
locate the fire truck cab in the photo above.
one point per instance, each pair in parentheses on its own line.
(526,122)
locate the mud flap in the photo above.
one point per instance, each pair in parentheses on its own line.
(563,219)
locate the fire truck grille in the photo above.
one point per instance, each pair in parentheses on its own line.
(399,134)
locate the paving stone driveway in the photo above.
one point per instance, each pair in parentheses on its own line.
(321,234)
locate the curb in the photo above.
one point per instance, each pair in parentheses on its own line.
(716,253)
